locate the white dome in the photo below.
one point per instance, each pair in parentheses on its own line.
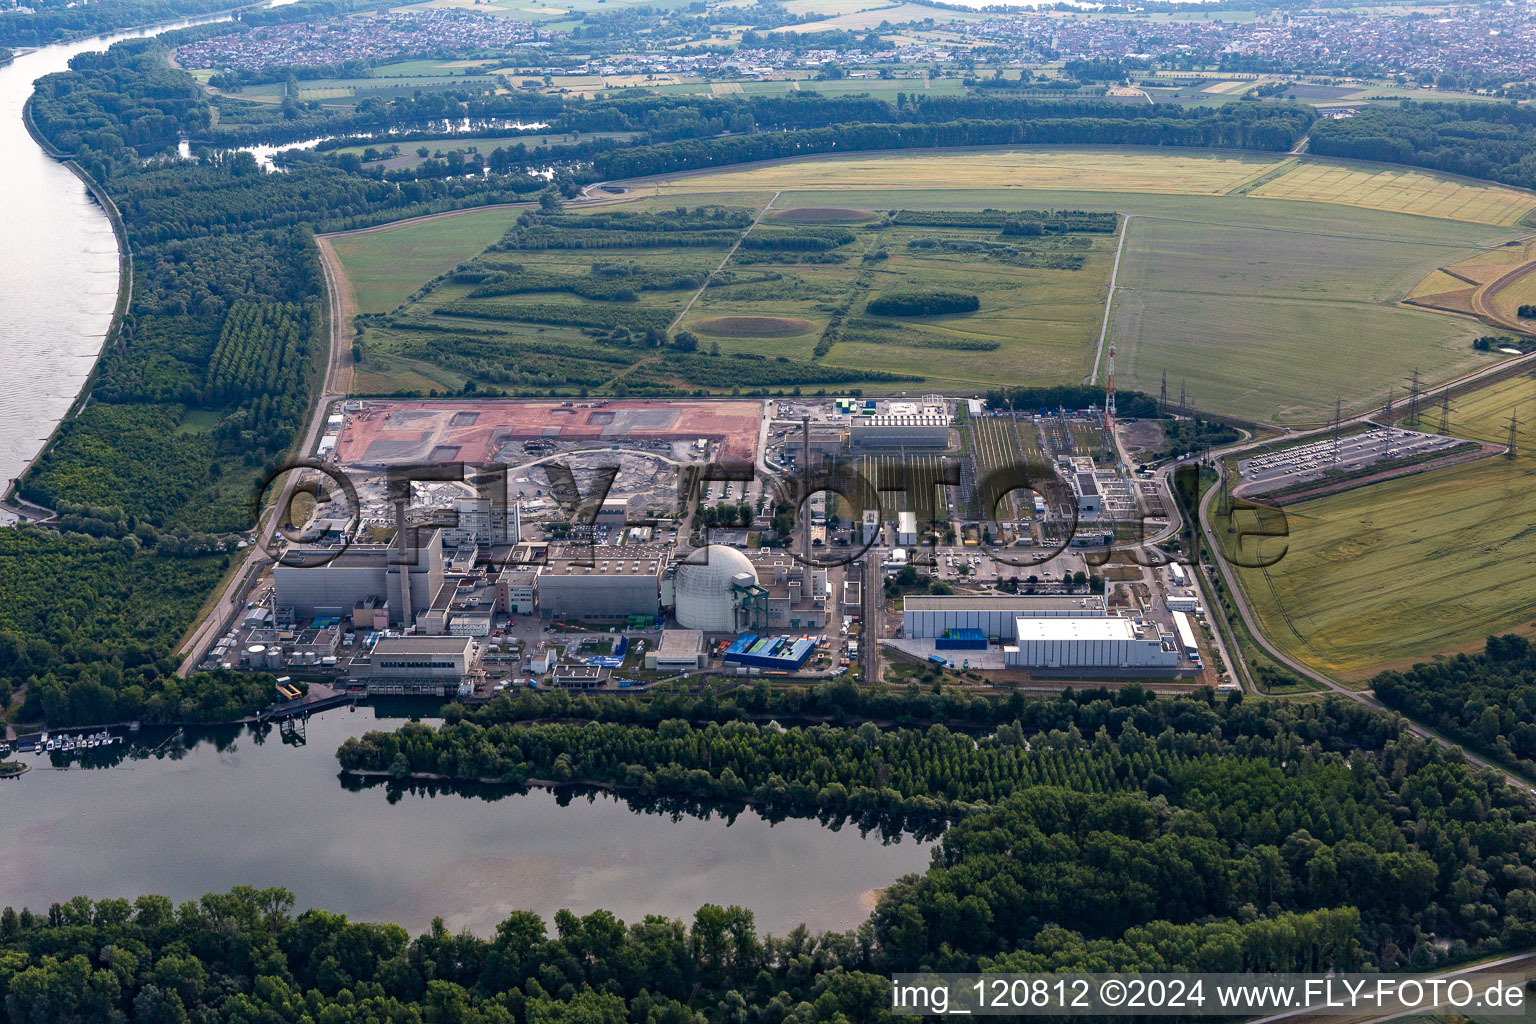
(705,588)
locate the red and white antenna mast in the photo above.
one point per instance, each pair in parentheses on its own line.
(1109,391)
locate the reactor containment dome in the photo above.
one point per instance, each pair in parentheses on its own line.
(711,583)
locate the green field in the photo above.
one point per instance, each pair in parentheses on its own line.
(385,267)
(1398,572)
(1040,298)
(1276,321)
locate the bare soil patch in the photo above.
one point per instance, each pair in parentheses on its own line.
(752,326)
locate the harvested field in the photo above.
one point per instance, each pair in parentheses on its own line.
(1457,301)
(1110,169)
(1400,190)
(823,215)
(752,326)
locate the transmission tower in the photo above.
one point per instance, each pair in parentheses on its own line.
(1514,426)
(1412,418)
(1182,403)
(1445,413)
(1386,412)
(1162,396)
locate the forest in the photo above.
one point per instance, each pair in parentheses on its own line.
(1486,700)
(1097,830)
(922,304)
(1097,813)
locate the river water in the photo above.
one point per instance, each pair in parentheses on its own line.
(248,809)
(58,272)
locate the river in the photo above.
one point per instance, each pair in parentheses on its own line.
(245,808)
(248,809)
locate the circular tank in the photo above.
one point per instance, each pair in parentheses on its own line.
(706,585)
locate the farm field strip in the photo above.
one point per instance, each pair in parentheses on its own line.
(1399,190)
(1131,170)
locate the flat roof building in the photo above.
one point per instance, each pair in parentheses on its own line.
(995,615)
(619,582)
(912,431)
(1110,642)
(418,657)
(360,572)
(678,650)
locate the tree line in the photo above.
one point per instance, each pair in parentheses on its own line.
(1494,141)
(1092,814)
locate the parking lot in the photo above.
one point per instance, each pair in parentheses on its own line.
(1275,470)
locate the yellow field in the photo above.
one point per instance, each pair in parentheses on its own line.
(1399,191)
(1484,414)
(1105,170)
(1438,282)
(1387,575)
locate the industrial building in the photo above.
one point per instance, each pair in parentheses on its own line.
(617,583)
(906,528)
(795,596)
(1187,639)
(418,657)
(1110,642)
(483,522)
(714,589)
(930,430)
(773,653)
(994,615)
(679,650)
(358,573)
(518,586)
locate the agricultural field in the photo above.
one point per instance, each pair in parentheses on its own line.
(1276,323)
(1483,415)
(1399,190)
(807,297)
(1264,308)
(1394,573)
(1117,169)
(384,266)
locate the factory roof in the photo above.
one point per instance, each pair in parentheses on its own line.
(998,602)
(421,645)
(1110,627)
(679,643)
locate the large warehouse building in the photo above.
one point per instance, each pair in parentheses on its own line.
(420,657)
(926,617)
(1110,642)
(920,431)
(619,583)
(360,572)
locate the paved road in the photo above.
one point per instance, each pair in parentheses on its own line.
(1251,622)
(1523,964)
(1109,300)
(256,558)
